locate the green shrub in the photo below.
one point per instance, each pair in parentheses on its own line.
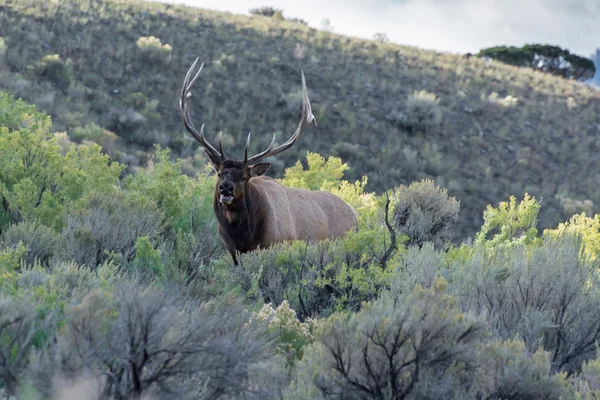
(318,279)
(109,225)
(587,228)
(547,294)
(393,349)
(320,173)
(15,112)
(10,263)
(510,224)
(588,381)
(41,242)
(53,68)
(147,261)
(291,334)
(36,180)
(153,50)
(95,134)
(425,213)
(65,283)
(191,259)
(174,346)
(190,239)
(136,100)
(507,370)
(417,266)
(21,329)
(127,123)
(422,113)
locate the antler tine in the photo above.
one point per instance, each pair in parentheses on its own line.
(213,154)
(221,144)
(307,118)
(246,149)
(259,156)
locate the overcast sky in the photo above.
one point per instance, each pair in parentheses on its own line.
(458,26)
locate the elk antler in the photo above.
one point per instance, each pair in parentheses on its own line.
(214,155)
(307,118)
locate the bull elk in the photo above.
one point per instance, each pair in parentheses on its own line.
(254,211)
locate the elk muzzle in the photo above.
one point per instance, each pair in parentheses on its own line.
(226,192)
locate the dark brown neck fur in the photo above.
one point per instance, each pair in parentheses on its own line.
(241,222)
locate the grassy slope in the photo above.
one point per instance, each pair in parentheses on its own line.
(482,153)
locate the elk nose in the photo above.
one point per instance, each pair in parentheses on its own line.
(226,187)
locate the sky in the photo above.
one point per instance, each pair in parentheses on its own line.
(456,26)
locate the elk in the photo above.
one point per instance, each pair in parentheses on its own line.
(255,211)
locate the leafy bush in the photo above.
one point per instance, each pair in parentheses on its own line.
(425,213)
(136,100)
(148,261)
(429,349)
(10,263)
(36,180)
(190,239)
(320,173)
(127,122)
(388,350)
(52,289)
(53,68)
(20,331)
(146,341)
(547,295)
(318,279)
(422,113)
(41,242)
(153,50)
(509,224)
(95,134)
(108,225)
(588,381)
(508,371)
(587,228)
(291,334)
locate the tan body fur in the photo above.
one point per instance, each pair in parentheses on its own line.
(300,214)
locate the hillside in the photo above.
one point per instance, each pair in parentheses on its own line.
(486,147)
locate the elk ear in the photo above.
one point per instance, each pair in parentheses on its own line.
(258,169)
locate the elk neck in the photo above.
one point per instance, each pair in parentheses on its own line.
(242,221)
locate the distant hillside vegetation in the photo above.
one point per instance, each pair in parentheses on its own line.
(110,71)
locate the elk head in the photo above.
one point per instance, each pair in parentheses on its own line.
(233,175)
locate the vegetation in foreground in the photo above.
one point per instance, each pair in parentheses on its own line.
(118,288)
(108,72)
